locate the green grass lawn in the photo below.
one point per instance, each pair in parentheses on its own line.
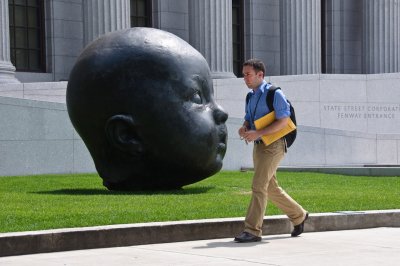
(61,201)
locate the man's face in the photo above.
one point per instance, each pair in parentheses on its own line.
(186,129)
(252,78)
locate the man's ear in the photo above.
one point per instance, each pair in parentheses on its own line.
(122,134)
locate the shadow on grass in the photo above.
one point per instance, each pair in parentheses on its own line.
(89,191)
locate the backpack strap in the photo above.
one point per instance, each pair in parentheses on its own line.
(271,97)
(248,96)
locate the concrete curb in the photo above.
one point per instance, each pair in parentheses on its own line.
(163,232)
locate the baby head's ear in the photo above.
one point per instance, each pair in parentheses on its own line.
(122,134)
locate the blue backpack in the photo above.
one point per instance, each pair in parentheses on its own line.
(270,100)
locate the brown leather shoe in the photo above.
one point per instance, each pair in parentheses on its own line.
(298,229)
(246,237)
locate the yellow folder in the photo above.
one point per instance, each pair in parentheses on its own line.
(268,119)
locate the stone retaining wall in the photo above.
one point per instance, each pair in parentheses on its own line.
(343,120)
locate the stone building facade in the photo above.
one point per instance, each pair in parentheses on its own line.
(336,60)
(41,39)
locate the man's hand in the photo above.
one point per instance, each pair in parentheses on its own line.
(251,135)
(242,130)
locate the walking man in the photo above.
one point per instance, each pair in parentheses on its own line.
(266,158)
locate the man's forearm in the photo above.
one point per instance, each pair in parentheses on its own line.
(274,126)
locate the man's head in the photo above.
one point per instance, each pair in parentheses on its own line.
(253,73)
(142,101)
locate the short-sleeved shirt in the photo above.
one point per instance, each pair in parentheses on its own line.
(257,106)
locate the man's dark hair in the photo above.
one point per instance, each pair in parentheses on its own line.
(257,64)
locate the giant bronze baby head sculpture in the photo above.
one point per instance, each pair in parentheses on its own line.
(142,101)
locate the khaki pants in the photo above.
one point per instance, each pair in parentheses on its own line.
(265,187)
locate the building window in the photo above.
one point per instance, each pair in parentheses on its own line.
(238,36)
(27,35)
(141,13)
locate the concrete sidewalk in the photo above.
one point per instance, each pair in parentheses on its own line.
(22,243)
(377,246)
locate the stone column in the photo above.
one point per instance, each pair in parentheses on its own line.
(210,32)
(381,36)
(343,36)
(7,70)
(300,30)
(103,16)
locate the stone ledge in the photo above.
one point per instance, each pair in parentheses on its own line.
(163,232)
(371,170)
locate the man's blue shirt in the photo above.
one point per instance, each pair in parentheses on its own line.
(257,106)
